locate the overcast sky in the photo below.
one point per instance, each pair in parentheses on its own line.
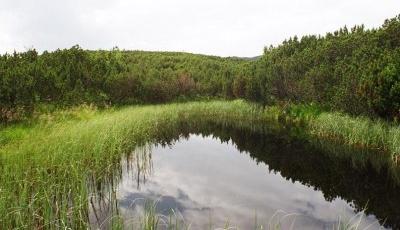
(218,27)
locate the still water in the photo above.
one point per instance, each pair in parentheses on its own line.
(214,176)
(210,183)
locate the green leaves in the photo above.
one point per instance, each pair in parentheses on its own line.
(357,72)
(75,76)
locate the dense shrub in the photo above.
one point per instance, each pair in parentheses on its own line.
(356,71)
(75,76)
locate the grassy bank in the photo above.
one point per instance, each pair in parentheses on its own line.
(361,132)
(46,166)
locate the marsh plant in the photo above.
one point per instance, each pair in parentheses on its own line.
(50,167)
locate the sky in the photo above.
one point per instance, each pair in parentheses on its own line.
(215,27)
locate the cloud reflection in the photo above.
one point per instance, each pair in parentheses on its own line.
(209,181)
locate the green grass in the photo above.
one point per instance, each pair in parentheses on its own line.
(45,165)
(359,132)
(45,169)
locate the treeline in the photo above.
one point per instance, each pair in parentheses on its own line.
(75,76)
(352,70)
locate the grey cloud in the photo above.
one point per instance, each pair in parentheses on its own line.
(224,27)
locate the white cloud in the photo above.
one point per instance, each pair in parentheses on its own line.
(220,27)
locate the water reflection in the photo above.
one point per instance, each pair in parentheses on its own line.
(214,174)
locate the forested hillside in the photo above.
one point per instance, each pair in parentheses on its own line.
(74,76)
(353,70)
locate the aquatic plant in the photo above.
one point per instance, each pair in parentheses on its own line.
(45,166)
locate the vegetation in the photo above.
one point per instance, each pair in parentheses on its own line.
(355,70)
(46,184)
(75,76)
(358,131)
(343,87)
(352,70)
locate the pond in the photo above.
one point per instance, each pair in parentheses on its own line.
(244,179)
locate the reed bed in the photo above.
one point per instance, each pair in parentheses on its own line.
(45,166)
(358,131)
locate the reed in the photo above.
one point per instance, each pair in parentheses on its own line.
(45,165)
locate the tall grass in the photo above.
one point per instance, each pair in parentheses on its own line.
(359,132)
(45,167)
(44,172)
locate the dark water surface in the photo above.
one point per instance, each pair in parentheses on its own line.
(248,179)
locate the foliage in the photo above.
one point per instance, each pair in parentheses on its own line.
(75,76)
(356,70)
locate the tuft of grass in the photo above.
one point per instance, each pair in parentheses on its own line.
(353,223)
(358,131)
